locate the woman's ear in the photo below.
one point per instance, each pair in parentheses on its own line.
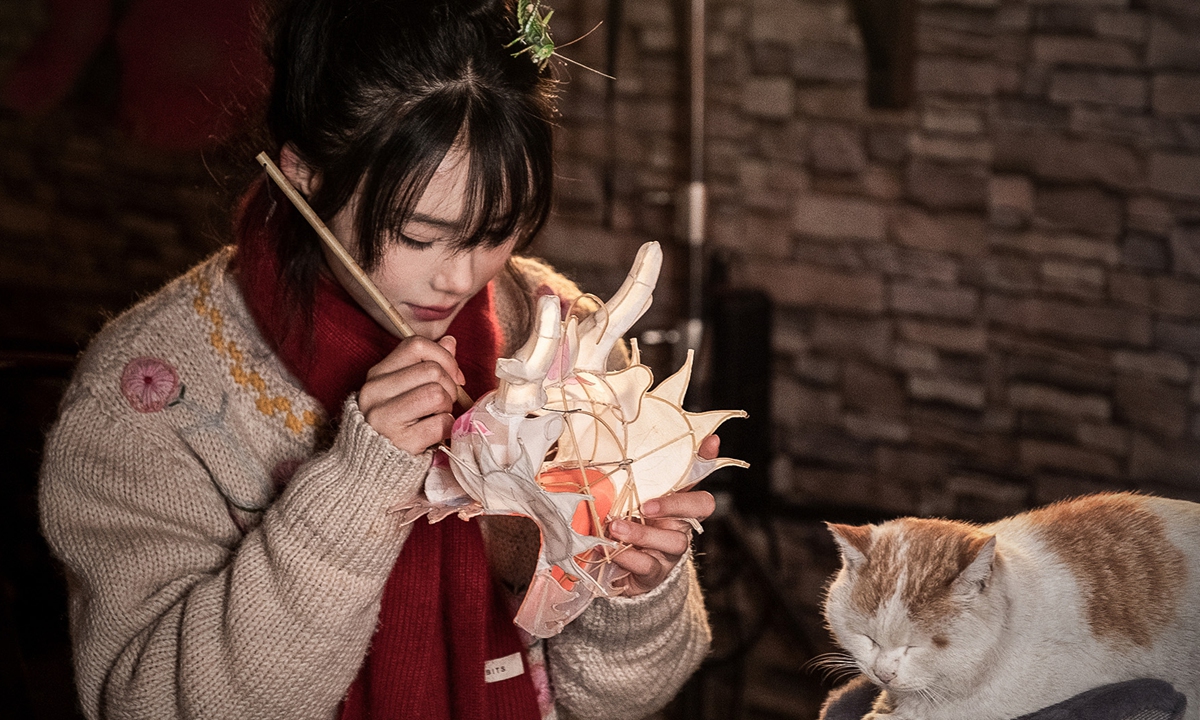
(299,173)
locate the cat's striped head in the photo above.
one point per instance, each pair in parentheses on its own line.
(911,603)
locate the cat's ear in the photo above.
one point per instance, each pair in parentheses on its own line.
(978,572)
(853,541)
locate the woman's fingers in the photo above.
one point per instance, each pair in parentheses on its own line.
(670,538)
(383,387)
(409,395)
(418,436)
(409,406)
(417,349)
(656,545)
(654,549)
(645,570)
(695,504)
(710,447)
(415,419)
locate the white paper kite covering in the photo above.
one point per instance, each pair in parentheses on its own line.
(572,446)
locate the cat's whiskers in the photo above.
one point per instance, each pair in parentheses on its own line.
(944,694)
(932,694)
(826,659)
(834,665)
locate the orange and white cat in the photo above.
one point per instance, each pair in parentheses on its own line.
(954,620)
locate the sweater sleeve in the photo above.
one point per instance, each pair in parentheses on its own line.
(174,613)
(625,658)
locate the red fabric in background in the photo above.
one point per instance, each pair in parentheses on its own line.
(46,72)
(192,73)
(442,616)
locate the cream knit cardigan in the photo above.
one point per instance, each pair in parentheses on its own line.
(198,590)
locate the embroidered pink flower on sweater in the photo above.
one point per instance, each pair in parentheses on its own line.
(149,384)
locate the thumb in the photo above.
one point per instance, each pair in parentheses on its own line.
(450,343)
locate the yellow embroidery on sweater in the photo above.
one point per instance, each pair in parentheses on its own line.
(266,403)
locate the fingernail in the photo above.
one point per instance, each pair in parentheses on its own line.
(620,528)
(651,507)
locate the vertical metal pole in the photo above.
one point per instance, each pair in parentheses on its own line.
(697,191)
(696,90)
(608,183)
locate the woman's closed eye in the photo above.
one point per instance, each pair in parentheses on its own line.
(414,243)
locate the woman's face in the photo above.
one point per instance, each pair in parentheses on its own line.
(425,280)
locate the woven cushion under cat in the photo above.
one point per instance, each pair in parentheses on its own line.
(1087,608)
(1131,700)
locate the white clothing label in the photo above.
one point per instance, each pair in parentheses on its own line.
(503,668)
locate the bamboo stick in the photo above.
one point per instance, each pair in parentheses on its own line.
(401,327)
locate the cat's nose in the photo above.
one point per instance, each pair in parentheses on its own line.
(885,676)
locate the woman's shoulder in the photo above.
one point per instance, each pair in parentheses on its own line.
(539,278)
(165,323)
(518,288)
(195,335)
(138,366)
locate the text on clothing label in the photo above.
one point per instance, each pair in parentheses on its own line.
(503,668)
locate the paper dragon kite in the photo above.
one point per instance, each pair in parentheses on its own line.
(573,446)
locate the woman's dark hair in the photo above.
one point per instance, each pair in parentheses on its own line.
(372,94)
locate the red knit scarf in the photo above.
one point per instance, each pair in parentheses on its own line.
(442,615)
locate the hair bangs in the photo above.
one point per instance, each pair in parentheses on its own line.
(509,188)
(401,168)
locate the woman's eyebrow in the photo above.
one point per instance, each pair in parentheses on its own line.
(437,222)
(454,227)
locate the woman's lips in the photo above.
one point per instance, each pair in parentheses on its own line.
(431,314)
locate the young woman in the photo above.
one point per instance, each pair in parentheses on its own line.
(218,483)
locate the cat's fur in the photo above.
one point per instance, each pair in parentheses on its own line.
(955,620)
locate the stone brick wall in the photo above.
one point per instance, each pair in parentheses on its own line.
(988,300)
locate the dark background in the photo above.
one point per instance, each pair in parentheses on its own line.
(956,244)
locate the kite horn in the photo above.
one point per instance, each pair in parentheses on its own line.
(601,330)
(520,388)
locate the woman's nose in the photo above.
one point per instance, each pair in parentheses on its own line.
(455,274)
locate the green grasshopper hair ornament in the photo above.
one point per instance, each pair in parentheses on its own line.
(534,34)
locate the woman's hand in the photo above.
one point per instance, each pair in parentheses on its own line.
(408,397)
(659,543)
